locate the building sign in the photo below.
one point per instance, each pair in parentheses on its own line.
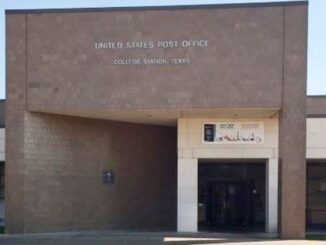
(234,133)
(127,59)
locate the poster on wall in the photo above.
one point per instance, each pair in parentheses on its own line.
(234,133)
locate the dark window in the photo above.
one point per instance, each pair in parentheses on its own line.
(2,180)
(316,195)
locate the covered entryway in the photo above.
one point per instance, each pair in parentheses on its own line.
(231,195)
(236,173)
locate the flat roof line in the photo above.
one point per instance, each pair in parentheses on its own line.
(167,7)
(316,115)
(317,96)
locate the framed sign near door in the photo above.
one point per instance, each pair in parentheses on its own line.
(233,133)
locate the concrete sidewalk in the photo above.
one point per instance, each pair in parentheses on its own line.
(146,238)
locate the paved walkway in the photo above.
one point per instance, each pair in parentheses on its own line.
(145,238)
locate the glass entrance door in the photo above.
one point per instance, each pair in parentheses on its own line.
(231,196)
(228,205)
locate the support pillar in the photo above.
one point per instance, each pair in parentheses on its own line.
(293,125)
(187,195)
(272,195)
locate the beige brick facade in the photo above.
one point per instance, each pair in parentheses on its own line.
(253,68)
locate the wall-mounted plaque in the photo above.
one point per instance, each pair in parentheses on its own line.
(108,177)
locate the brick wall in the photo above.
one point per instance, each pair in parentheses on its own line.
(64,160)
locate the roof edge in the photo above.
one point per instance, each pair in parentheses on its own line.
(166,7)
(317,96)
(316,116)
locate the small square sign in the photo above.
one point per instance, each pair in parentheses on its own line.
(108,177)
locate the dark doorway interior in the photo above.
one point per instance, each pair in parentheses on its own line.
(316,195)
(231,196)
(2,195)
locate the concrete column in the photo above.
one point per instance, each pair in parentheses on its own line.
(16,97)
(292,144)
(272,196)
(187,194)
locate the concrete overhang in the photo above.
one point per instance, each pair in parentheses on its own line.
(167,117)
